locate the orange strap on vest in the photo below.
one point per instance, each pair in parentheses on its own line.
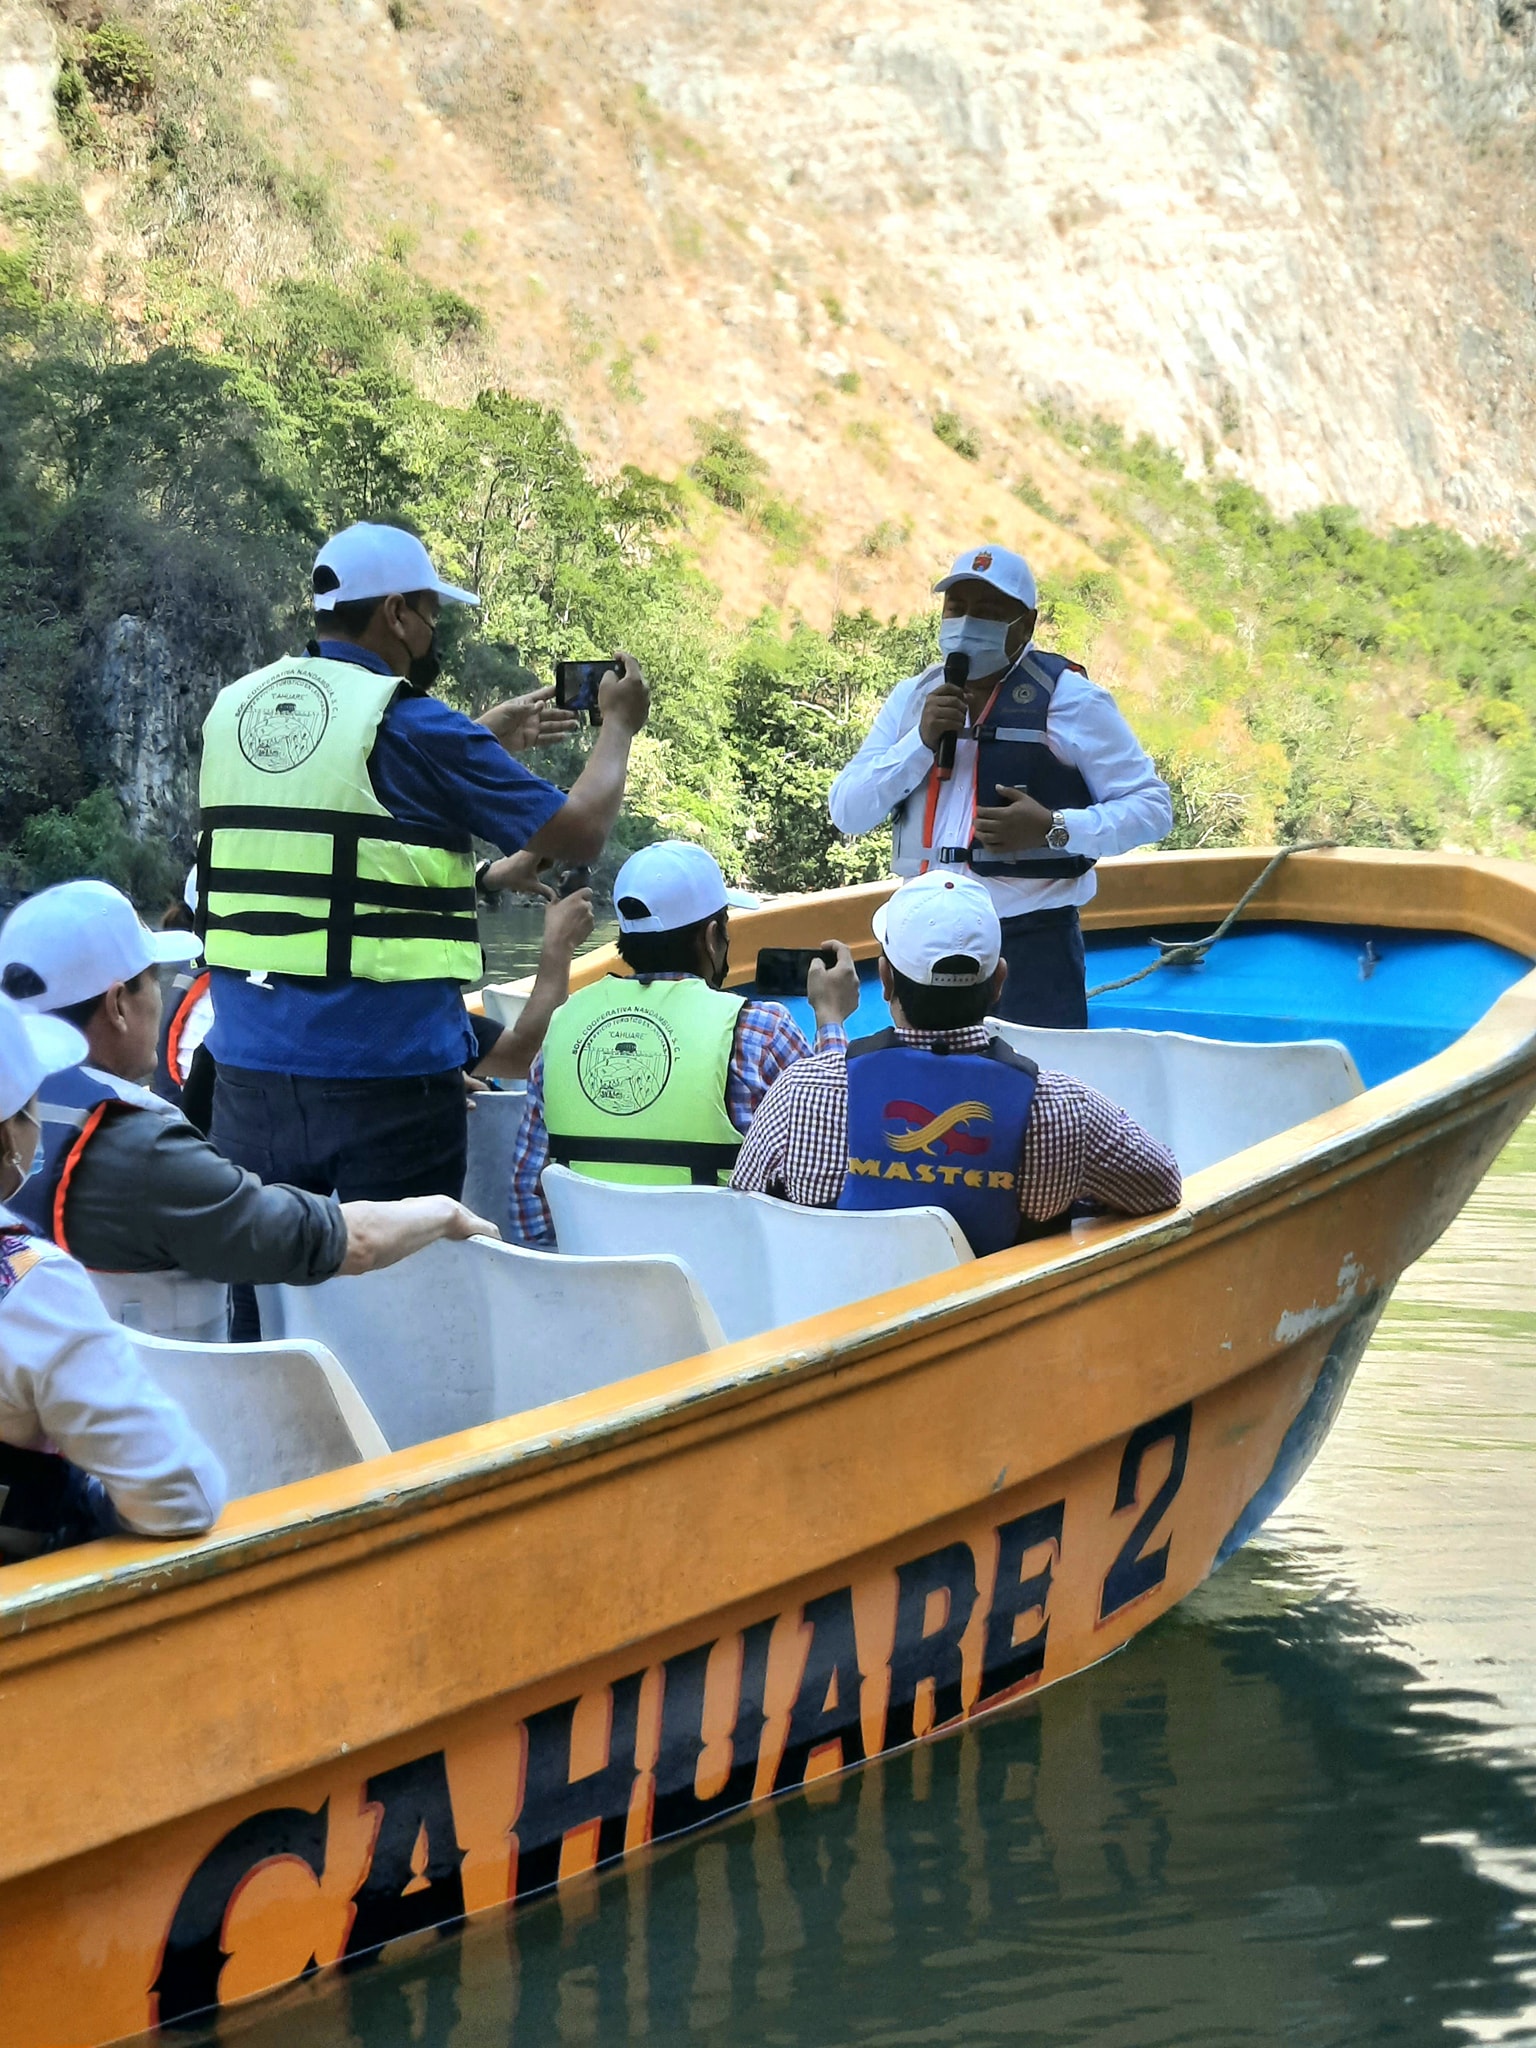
(67,1172)
(184,1009)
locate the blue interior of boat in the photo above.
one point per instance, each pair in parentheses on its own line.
(1393,997)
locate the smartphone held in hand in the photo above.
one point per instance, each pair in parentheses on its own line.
(785,970)
(576,685)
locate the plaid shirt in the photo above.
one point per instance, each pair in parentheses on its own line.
(1078,1145)
(768,1042)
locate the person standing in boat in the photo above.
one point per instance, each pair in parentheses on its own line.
(89,1445)
(163,1222)
(1005,762)
(337,876)
(938,1111)
(653,1077)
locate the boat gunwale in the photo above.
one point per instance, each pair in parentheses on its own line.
(51,1595)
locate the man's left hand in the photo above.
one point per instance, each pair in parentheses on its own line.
(522,723)
(1016,826)
(517,874)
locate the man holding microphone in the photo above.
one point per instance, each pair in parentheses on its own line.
(1005,761)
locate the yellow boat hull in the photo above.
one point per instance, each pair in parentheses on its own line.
(422,1687)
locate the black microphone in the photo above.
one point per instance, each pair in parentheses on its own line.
(957,671)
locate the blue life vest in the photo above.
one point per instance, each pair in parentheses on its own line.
(947,1128)
(1011,750)
(71,1105)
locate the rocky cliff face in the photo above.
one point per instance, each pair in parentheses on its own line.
(1290,237)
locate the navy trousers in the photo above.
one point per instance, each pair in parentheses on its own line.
(365,1141)
(1046,982)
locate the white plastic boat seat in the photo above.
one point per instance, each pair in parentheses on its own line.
(560,1326)
(821,1259)
(718,1234)
(413,1338)
(273,1412)
(1204,1098)
(761,1262)
(461,1334)
(495,1118)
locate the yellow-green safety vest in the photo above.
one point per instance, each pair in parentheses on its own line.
(634,1082)
(301,870)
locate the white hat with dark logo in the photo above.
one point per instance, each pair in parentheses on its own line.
(1000,567)
(32,1048)
(366,561)
(72,942)
(674,884)
(945,918)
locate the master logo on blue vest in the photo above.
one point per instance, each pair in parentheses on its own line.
(283,724)
(925,1130)
(624,1063)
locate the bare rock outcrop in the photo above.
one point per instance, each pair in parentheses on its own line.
(1291,238)
(29,71)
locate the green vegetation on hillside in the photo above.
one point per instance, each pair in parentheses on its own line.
(176,460)
(1377,689)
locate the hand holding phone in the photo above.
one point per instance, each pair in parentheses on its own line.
(577,684)
(785,970)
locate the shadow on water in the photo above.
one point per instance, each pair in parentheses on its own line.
(1302,1807)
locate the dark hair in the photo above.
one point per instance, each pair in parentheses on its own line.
(21,982)
(942,1009)
(351,621)
(675,952)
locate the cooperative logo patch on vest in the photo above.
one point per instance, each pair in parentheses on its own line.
(283,724)
(624,1063)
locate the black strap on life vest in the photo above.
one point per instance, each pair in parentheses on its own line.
(704,1162)
(414,912)
(995,1049)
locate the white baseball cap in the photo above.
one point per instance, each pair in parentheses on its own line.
(32,1048)
(379,561)
(80,937)
(940,917)
(1000,567)
(678,883)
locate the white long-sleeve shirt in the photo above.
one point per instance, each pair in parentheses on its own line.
(1131,806)
(70,1381)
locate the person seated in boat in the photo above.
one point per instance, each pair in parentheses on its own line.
(507,1052)
(938,1111)
(1005,762)
(654,1079)
(184,1067)
(89,1445)
(160,1218)
(339,1013)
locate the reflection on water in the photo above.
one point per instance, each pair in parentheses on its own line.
(1302,1807)
(512,932)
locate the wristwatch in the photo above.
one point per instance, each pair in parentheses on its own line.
(1058,835)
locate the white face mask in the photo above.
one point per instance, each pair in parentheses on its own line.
(984,640)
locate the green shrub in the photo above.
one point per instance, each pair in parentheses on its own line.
(726,468)
(73,110)
(118,65)
(92,840)
(953,431)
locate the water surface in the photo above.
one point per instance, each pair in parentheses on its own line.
(1302,1807)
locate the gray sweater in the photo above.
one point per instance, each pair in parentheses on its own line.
(149,1194)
